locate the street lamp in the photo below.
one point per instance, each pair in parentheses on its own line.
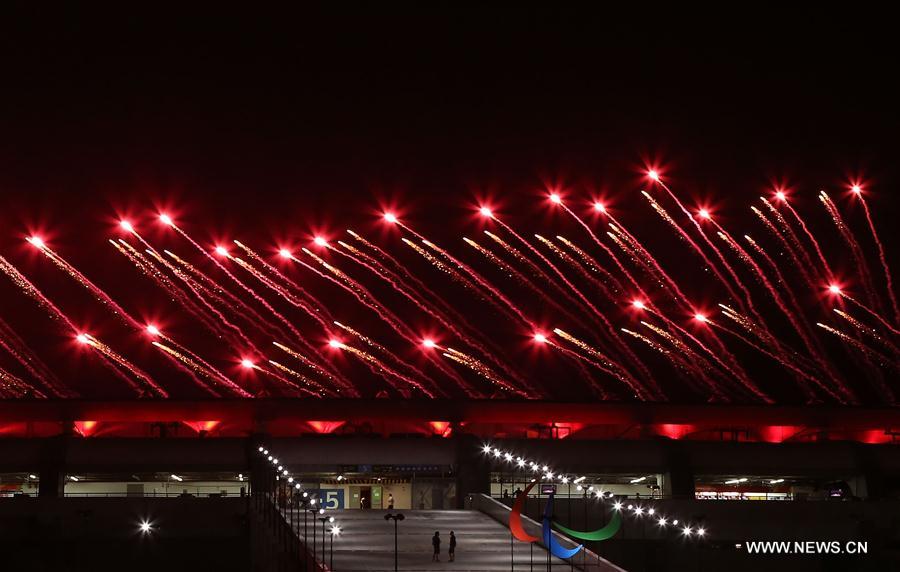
(335,530)
(396,518)
(323,520)
(315,512)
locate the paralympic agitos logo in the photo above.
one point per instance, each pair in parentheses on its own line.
(547,523)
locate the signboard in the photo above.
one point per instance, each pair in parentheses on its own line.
(548,489)
(410,468)
(332,499)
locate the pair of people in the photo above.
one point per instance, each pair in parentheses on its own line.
(436,543)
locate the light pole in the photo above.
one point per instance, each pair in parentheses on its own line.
(306,512)
(335,530)
(315,512)
(323,520)
(396,518)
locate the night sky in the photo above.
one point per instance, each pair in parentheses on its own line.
(273,128)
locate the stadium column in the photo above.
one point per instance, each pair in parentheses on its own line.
(52,466)
(871,471)
(681,473)
(261,476)
(472,472)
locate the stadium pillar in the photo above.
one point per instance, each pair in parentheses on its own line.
(260,469)
(472,472)
(52,470)
(681,473)
(872,472)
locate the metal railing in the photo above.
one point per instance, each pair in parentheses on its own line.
(125,494)
(276,542)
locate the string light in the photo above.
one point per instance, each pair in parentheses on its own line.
(638,511)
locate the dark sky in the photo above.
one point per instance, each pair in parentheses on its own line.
(272,125)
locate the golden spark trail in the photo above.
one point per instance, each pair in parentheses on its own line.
(258,320)
(704,367)
(829,275)
(525,281)
(753,330)
(578,268)
(303,378)
(29,360)
(403,288)
(884,361)
(882,257)
(11,386)
(468,273)
(365,297)
(791,236)
(796,370)
(290,284)
(230,331)
(338,382)
(119,360)
(99,294)
(605,248)
(580,358)
(405,275)
(482,370)
(283,292)
(693,244)
(290,385)
(798,265)
(737,372)
(384,351)
(796,321)
(591,263)
(535,270)
(869,311)
(200,369)
(252,293)
(378,367)
(858,257)
(160,278)
(869,331)
(620,373)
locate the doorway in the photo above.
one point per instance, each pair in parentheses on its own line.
(360,497)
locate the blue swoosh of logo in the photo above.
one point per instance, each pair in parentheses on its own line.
(549,541)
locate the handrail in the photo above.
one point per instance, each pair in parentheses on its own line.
(500,513)
(286,549)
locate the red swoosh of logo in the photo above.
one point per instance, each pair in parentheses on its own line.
(515,517)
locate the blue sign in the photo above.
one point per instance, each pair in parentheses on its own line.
(331,499)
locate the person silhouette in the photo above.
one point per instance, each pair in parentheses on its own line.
(436,543)
(451,551)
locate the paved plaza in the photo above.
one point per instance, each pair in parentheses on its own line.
(366,543)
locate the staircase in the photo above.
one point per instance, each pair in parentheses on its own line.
(366,543)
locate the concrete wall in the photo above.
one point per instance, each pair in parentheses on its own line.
(76,534)
(677,461)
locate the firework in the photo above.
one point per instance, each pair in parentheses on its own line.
(629,312)
(882,257)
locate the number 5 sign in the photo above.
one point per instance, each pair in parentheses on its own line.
(332,499)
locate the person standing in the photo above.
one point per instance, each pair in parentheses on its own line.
(436,543)
(452,548)
(390,501)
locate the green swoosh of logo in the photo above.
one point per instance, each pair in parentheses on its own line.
(604,533)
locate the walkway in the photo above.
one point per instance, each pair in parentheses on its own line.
(366,543)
